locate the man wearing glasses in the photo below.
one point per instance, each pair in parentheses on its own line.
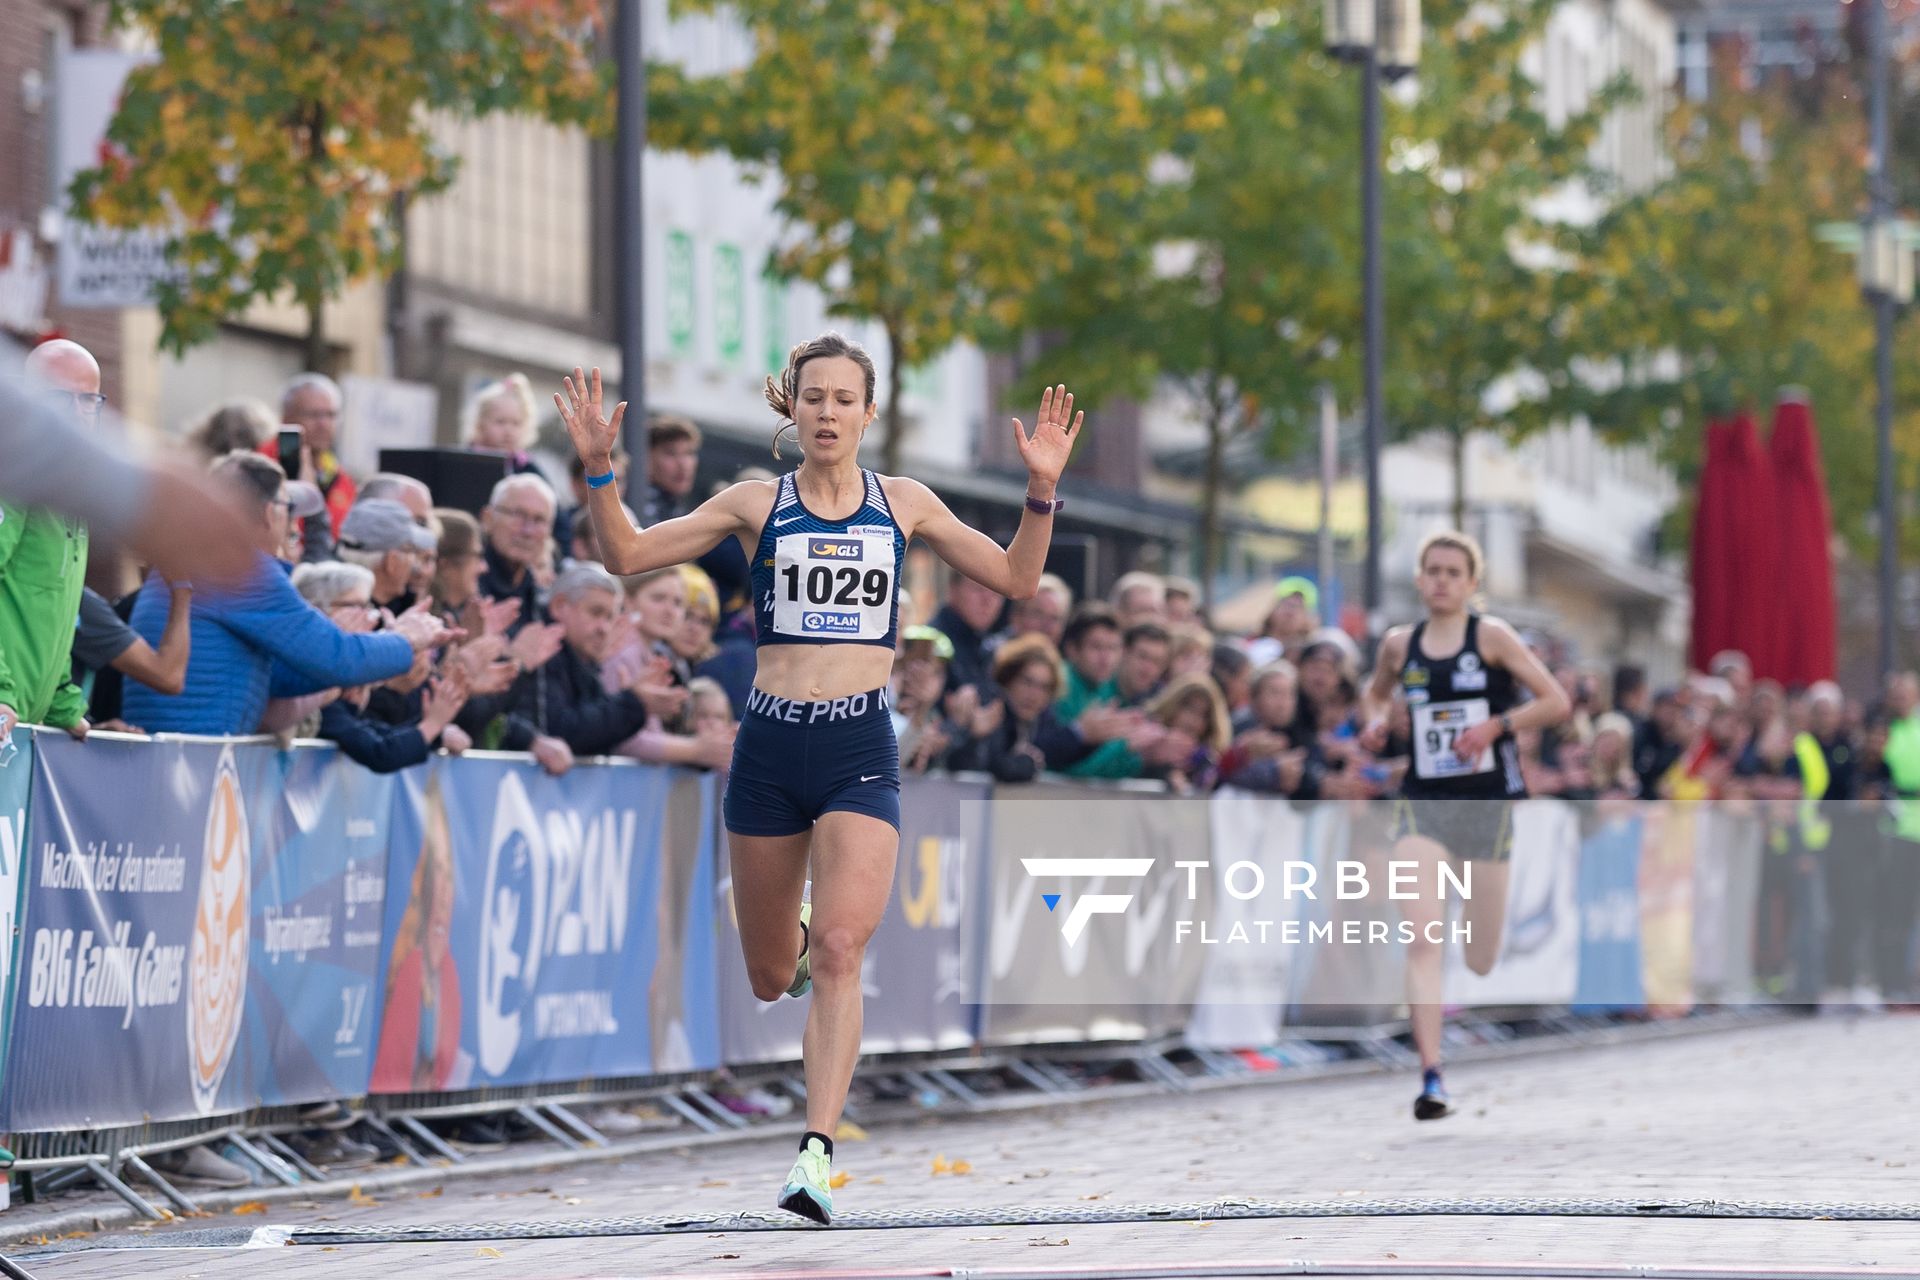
(519,527)
(43,566)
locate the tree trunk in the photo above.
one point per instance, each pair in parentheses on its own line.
(315,302)
(398,293)
(1457,439)
(316,344)
(1210,497)
(890,448)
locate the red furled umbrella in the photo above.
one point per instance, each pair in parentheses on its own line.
(1759,586)
(1712,552)
(1807,634)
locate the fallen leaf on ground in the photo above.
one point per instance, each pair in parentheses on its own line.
(1098,1195)
(716,1182)
(876,1178)
(1044,1243)
(428,1195)
(251,1206)
(848,1131)
(962,1166)
(357,1196)
(488,1251)
(839,1180)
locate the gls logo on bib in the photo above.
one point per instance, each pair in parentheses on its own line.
(836,549)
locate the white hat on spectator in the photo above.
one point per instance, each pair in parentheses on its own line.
(380,525)
(306,498)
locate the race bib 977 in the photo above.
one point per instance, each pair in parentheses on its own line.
(833,586)
(1435,727)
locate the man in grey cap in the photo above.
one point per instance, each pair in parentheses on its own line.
(379,534)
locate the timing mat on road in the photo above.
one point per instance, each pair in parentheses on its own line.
(1223,1210)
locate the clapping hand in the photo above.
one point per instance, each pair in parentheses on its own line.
(423,629)
(496,616)
(536,644)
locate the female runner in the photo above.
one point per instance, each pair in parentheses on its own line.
(1458,671)
(815,780)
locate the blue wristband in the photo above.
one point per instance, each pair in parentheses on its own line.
(600,482)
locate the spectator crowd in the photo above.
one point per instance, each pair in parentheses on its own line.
(396,628)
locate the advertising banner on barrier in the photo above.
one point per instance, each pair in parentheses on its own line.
(136,941)
(525,926)
(1666,905)
(1082,905)
(320,838)
(916,977)
(1539,960)
(1244,989)
(1610,974)
(16,782)
(1726,886)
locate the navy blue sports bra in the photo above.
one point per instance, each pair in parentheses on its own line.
(821,581)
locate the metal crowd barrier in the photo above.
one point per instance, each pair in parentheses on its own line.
(210,937)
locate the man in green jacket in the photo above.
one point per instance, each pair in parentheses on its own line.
(43,566)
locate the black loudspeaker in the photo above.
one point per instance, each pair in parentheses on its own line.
(456,477)
(1075,559)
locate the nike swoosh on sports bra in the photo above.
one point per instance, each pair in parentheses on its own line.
(818,581)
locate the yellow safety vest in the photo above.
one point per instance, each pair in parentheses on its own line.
(1815,778)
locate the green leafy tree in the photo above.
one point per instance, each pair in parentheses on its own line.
(932,158)
(1479,283)
(1715,289)
(1253,294)
(270,140)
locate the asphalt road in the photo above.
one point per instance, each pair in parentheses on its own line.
(1810,1111)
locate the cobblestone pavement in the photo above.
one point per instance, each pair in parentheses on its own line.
(1804,1111)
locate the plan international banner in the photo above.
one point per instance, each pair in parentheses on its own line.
(529,936)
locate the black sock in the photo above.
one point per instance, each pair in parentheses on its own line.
(826,1143)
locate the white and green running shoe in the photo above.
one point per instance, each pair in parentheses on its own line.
(808,1192)
(803,972)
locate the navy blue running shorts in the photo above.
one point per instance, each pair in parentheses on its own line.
(794,761)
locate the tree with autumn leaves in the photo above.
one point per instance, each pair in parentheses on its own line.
(271,139)
(934,161)
(1166,192)
(1712,290)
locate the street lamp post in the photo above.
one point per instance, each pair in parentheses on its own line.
(629,247)
(1885,247)
(1882,260)
(1383,37)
